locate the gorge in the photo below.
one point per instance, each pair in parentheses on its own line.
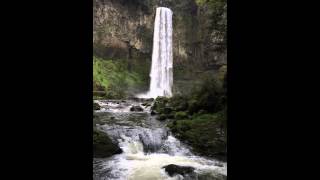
(160,69)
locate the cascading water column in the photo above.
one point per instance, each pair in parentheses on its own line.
(161,74)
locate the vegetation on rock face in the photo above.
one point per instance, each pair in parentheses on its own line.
(199,119)
(113,77)
(206,133)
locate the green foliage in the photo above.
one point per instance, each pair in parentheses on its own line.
(206,133)
(208,96)
(114,77)
(181,115)
(159,104)
(200,119)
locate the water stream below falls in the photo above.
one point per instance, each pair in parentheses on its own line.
(147,146)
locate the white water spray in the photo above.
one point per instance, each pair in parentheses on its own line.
(162,60)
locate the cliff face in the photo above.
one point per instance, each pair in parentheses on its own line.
(124,29)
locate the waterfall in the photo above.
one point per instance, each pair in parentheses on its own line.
(161,74)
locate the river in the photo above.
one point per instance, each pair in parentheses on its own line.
(147,146)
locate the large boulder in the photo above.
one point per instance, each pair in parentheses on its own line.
(136,108)
(103,146)
(96,106)
(153,113)
(173,170)
(146,104)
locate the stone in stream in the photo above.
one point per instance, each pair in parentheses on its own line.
(153,113)
(173,170)
(103,146)
(136,108)
(96,106)
(218,164)
(146,104)
(149,100)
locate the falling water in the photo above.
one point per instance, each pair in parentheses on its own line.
(162,61)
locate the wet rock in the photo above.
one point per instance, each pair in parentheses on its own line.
(136,108)
(146,104)
(218,164)
(134,99)
(103,146)
(152,139)
(162,117)
(173,170)
(96,106)
(153,113)
(167,110)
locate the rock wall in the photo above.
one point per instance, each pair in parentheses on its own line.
(124,29)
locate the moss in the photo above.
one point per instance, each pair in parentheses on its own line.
(160,104)
(206,133)
(181,115)
(113,77)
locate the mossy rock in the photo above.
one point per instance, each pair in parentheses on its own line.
(103,146)
(205,133)
(193,106)
(136,108)
(181,115)
(162,117)
(153,113)
(146,104)
(96,106)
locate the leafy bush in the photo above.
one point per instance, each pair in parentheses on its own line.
(206,133)
(209,96)
(181,115)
